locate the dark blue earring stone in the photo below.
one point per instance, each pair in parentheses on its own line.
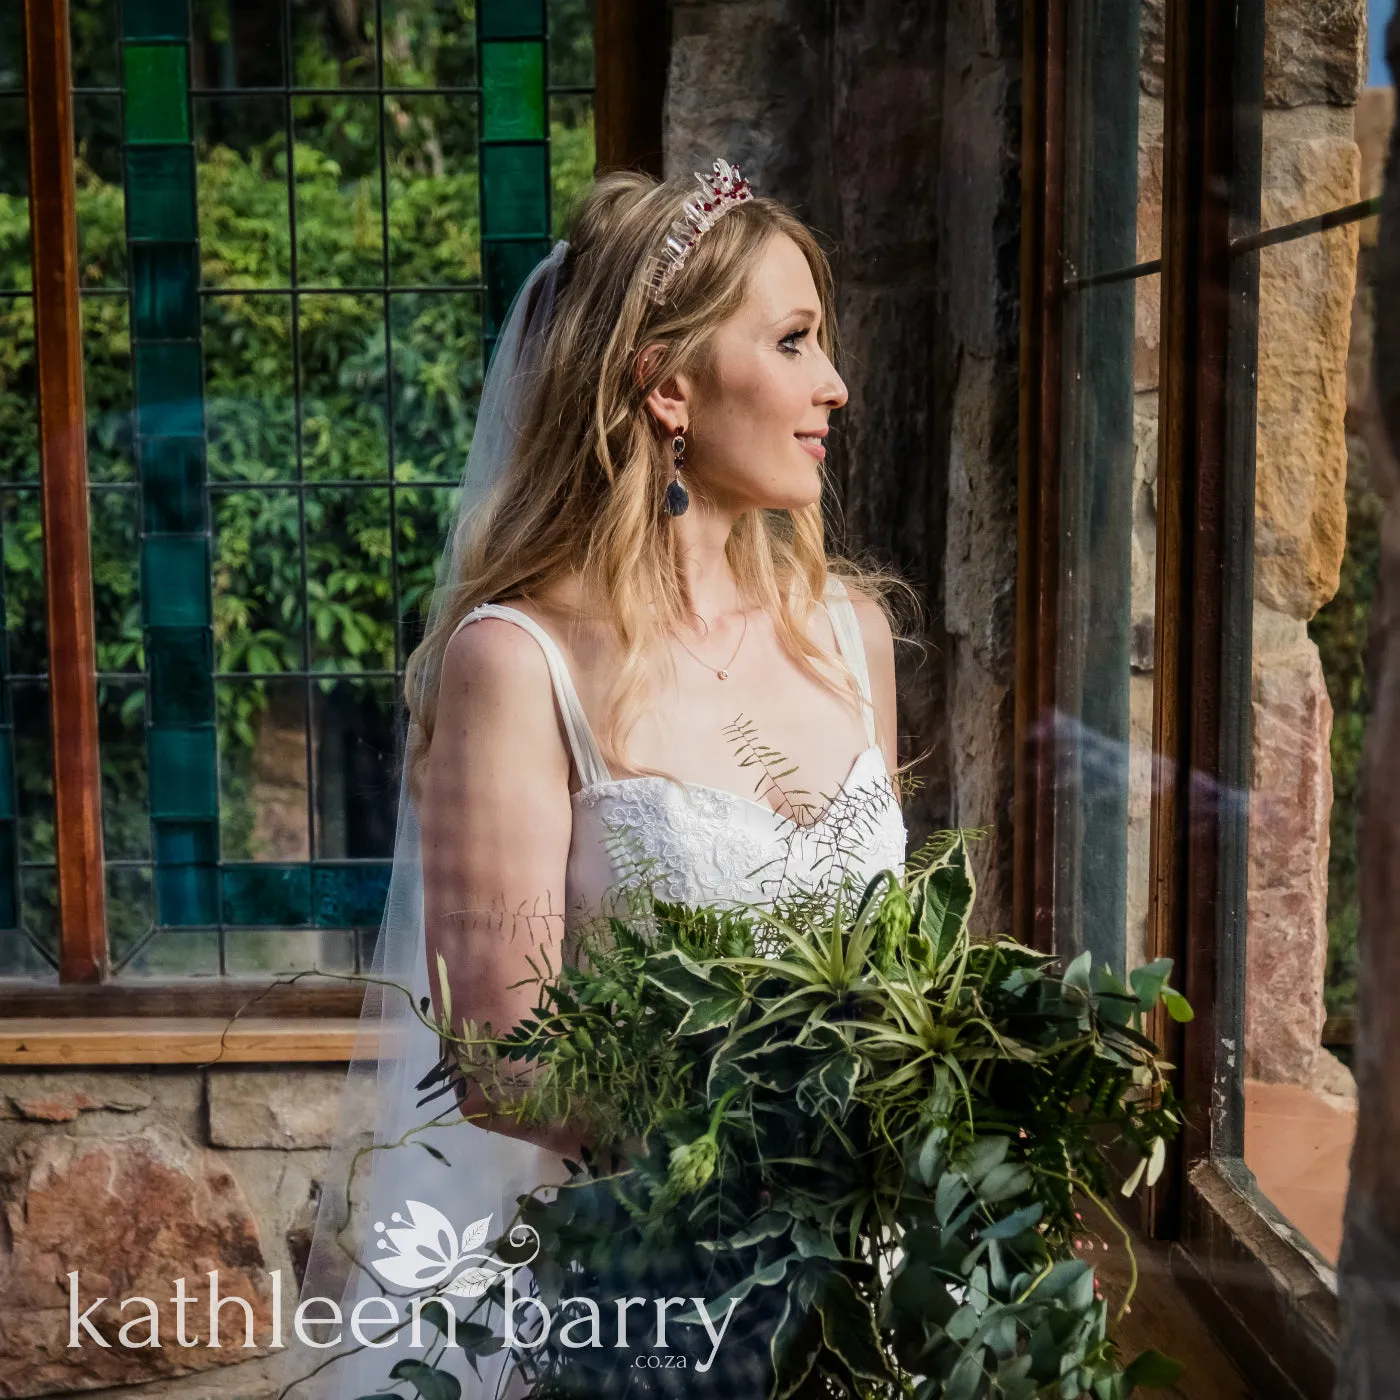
(677,499)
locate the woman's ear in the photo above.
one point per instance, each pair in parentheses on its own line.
(669,401)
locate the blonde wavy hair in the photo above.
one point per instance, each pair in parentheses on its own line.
(583,494)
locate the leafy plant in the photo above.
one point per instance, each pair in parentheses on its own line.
(862,1133)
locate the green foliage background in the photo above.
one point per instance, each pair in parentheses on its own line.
(250,405)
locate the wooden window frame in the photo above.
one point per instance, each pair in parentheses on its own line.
(84,1019)
(1272,1303)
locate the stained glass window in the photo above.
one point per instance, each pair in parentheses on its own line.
(299,229)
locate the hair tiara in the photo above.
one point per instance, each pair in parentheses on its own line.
(720,192)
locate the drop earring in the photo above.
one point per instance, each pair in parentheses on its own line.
(677,497)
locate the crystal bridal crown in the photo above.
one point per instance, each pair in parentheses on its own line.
(721,191)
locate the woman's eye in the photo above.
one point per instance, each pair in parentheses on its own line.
(786,342)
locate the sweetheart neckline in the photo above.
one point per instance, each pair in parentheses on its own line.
(741,798)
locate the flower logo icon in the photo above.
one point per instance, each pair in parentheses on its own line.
(424,1251)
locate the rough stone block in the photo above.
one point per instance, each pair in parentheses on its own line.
(1290,807)
(1314,51)
(60,1096)
(275,1107)
(1305,298)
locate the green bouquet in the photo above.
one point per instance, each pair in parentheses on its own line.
(842,1140)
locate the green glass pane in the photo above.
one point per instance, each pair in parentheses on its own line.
(511,19)
(116,588)
(570,44)
(100,190)
(39,906)
(512,82)
(258,574)
(239,43)
(507,267)
(157,93)
(155,19)
(187,876)
(572,156)
(11,61)
(9,876)
(93,32)
(160,192)
(175,580)
(130,909)
(19,440)
(514,190)
(183,777)
(121,734)
(434,189)
(181,665)
(351,896)
(169,390)
(267,896)
(172,484)
(165,291)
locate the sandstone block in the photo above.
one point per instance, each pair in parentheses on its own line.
(130,1215)
(1314,51)
(281,1107)
(61,1097)
(1305,296)
(1290,805)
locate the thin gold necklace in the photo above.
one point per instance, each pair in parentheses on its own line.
(723,671)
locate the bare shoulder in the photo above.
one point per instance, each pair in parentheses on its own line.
(491,653)
(874,625)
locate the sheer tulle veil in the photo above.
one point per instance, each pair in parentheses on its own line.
(395,1192)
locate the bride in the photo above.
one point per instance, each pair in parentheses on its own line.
(638,627)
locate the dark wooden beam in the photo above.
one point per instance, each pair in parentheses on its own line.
(307,997)
(1038,514)
(63,455)
(632,49)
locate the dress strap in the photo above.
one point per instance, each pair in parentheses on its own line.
(588,757)
(849,639)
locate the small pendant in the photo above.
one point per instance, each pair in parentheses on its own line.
(723,675)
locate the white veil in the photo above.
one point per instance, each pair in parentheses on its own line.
(381,1174)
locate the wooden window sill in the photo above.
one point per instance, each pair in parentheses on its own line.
(173,1040)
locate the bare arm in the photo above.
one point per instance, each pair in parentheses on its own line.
(496,822)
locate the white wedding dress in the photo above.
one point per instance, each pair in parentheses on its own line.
(709,846)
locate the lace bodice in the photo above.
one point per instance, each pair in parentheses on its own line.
(707,845)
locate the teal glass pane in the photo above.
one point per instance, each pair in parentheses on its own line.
(175,580)
(434,203)
(116,592)
(182,766)
(157,93)
(187,843)
(187,892)
(512,86)
(155,19)
(165,291)
(515,190)
(160,192)
(350,896)
(263,809)
(507,267)
(100,190)
(169,390)
(172,484)
(180,661)
(266,896)
(121,734)
(511,19)
(258,580)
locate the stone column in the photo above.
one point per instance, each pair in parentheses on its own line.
(1370,1263)
(891,127)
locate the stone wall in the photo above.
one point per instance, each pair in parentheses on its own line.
(137,1178)
(1314,69)
(892,127)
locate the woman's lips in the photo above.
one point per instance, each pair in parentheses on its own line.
(814,445)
